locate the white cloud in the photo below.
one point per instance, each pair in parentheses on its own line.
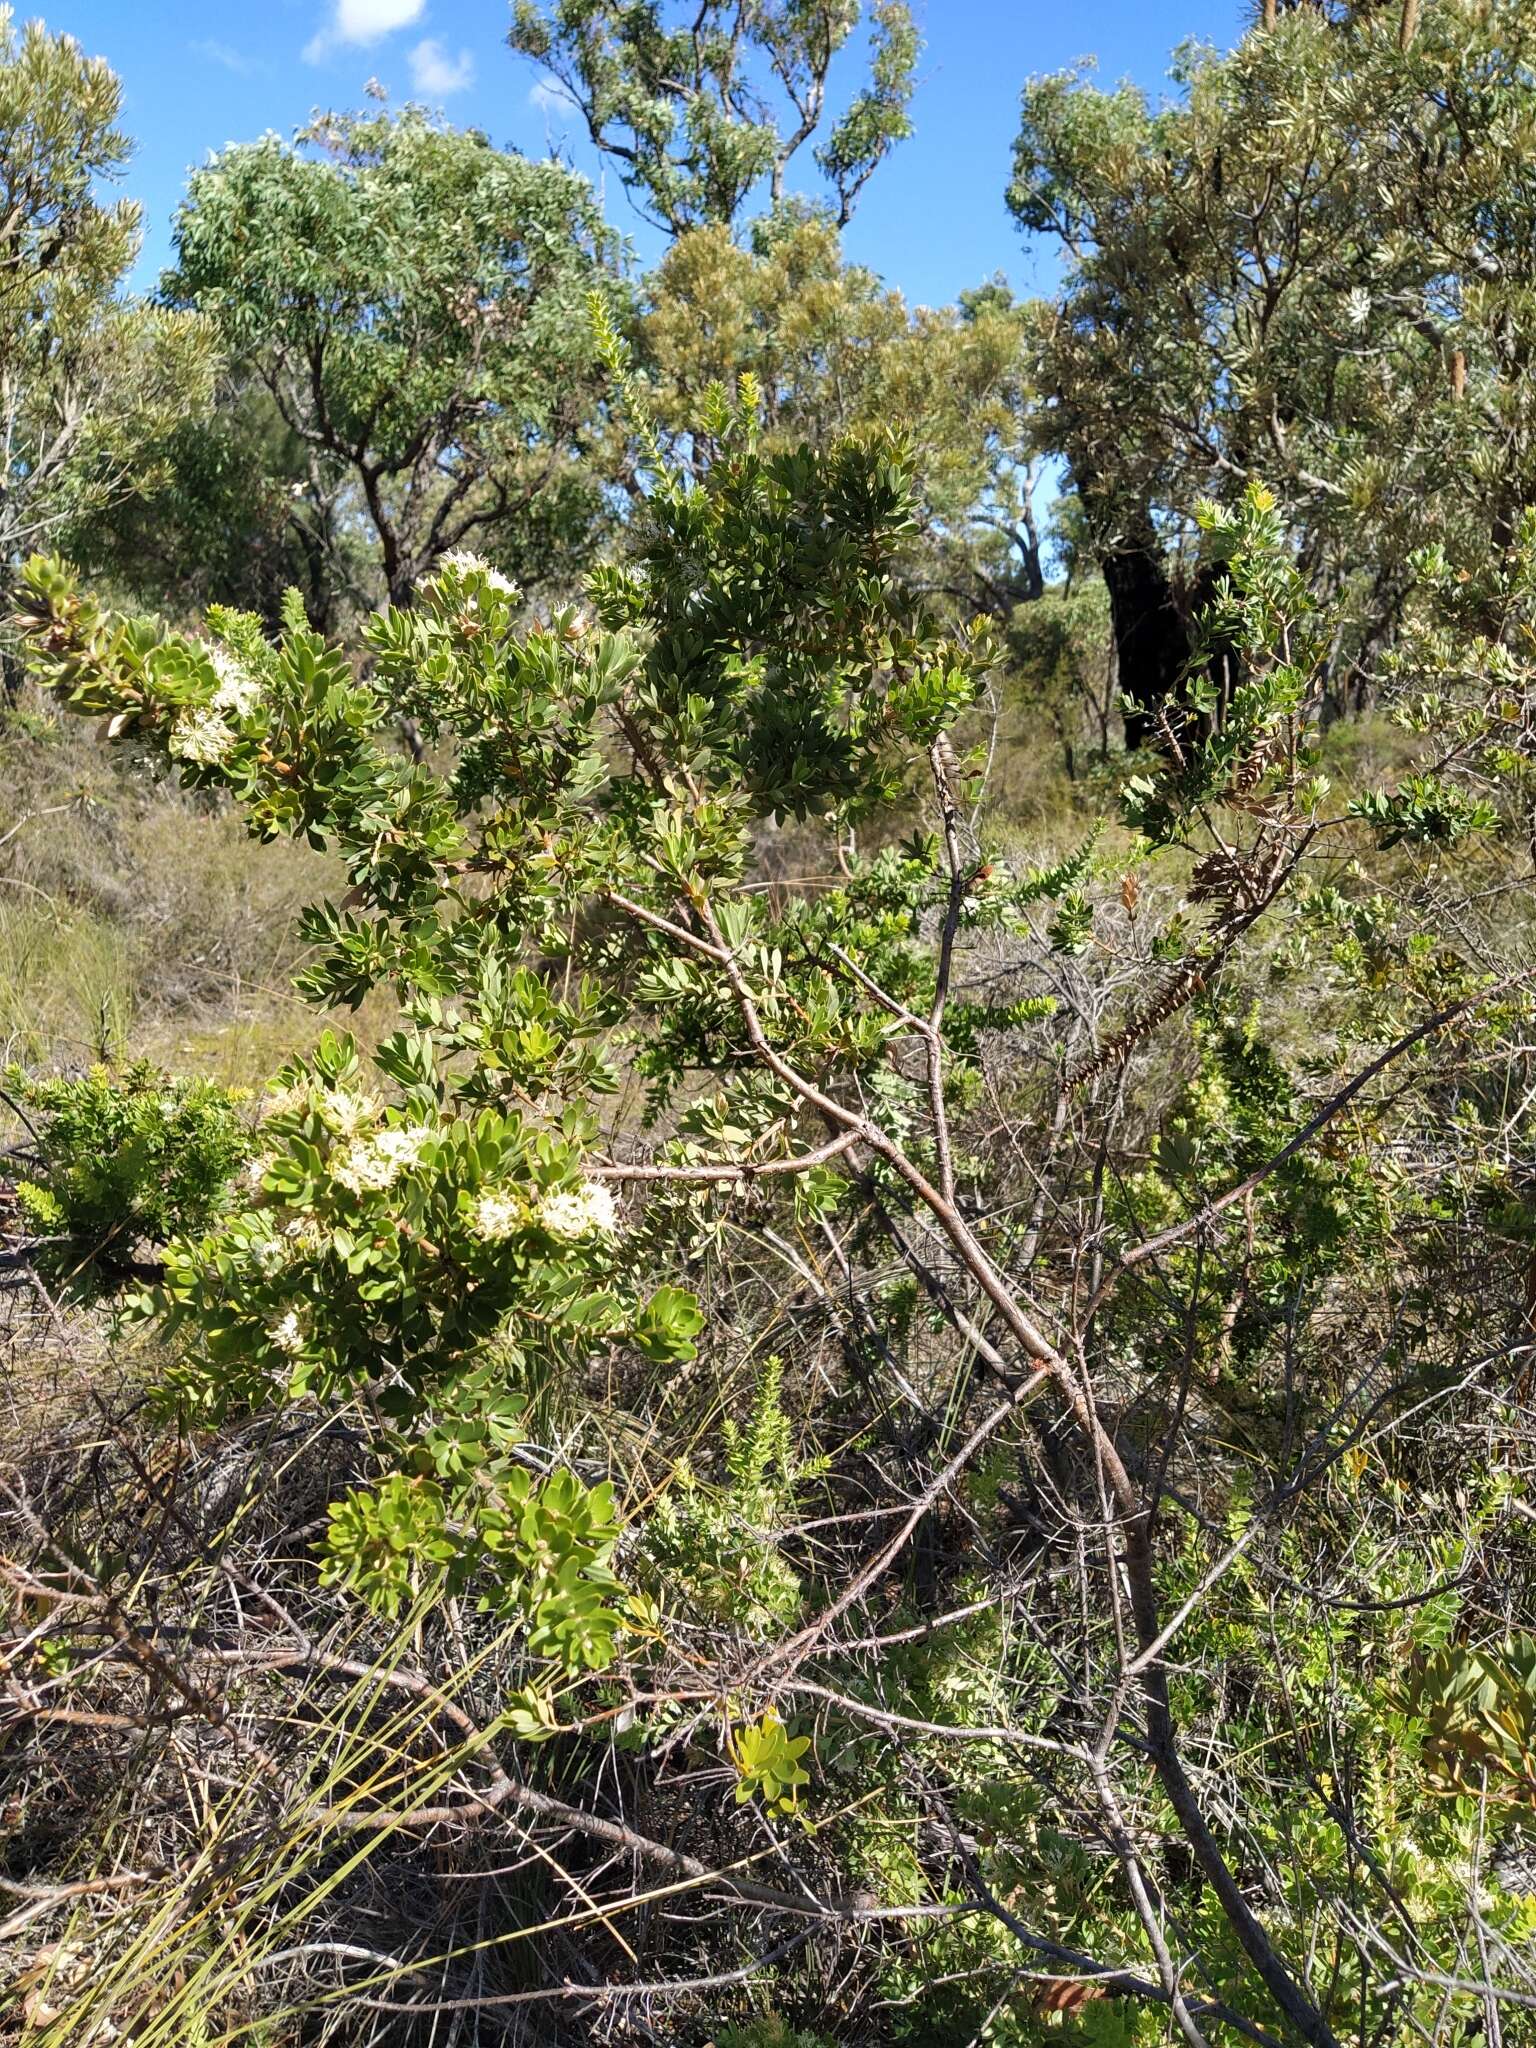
(435,74)
(550,97)
(362,21)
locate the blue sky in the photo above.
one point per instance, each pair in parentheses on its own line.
(198,74)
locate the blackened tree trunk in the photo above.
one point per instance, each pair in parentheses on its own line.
(1152,644)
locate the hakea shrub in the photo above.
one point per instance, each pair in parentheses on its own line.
(443,1228)
(562,893)
(559,893)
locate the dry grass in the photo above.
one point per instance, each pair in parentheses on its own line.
(136,919)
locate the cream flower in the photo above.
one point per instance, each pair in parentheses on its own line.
(371,1164)
(287,1333)
(238,692)
(587,1211)
(345,1113)
(201,736)
(365,1168)
(466,564)
(401,1144)
(255,1171)
(284,1101)
(497,1215)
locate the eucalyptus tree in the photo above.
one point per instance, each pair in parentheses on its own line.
(1314,266)
(241,513)
(704,109)
(413,301)
(700,106)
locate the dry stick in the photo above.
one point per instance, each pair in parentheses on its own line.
(42,1898)
(905,1724)
(1137,1556)
(136,1649)
(939,757)
(1146,1907)
(747,1169)
(1109,1976)
(678,1987)
(795,1651)
(29,817)
(1189,979)
(921,1631)
(939,1294)
(1106,1976)
(506,1790)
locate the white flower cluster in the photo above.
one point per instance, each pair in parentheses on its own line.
(305,1234)
(363,1169)
(287,1333)
(1357,306)
(239,692)
(255,1171)
(284,1101)
(497,1214)
(201,736)
(345,1113)
(467,564)
(371,1164)
(587,1211)
(402,1144)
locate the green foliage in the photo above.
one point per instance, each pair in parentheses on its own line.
(1004,1344)
(767,1757)
(1426,809)
(833,351)
(91,384)
(1313,265)
(1477,1708)
(681,107)
(439,286)
(536,1551)
(123,1159)
(450,1241)
(715,1548)
(449,1247)
(770,2033)
(1259,621)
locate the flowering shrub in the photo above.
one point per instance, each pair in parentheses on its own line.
(1089,1369)
(399,1229)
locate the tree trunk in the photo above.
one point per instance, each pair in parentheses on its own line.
(1151,637)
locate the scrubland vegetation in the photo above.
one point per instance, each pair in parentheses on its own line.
(769,1214)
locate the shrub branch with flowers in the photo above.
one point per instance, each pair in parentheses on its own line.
(640,1075)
